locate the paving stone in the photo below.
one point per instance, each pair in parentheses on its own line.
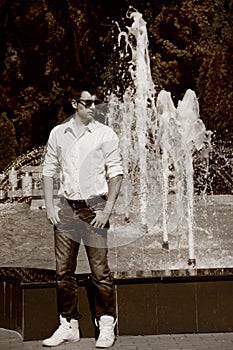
(11,340)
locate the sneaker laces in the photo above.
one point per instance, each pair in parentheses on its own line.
(105,328)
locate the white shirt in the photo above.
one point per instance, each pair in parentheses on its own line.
(85,162)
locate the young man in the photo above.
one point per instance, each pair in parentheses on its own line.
(86,155)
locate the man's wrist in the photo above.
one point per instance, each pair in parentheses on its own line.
(107,211)
(49,204)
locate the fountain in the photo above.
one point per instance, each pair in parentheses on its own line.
(159,144)
(176,134)
(159,228)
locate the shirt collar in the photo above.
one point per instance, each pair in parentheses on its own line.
(90,127)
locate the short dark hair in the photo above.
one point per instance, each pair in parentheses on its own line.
(75,91)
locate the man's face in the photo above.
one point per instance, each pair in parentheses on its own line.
(86,109)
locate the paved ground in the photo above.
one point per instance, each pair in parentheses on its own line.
(10,340)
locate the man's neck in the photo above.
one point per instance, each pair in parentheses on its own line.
(80,124)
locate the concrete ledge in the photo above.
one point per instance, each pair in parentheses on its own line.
(178,302)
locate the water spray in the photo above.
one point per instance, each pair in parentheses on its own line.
(177,134)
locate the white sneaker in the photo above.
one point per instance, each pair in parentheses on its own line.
(107,336)
(66,332)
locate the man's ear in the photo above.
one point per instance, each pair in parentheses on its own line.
(74,104)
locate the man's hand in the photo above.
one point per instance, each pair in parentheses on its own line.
(52,211)
(52,215)
(100,219)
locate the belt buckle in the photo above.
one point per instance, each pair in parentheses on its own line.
(79,204)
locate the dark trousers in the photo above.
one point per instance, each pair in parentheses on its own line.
(74,228)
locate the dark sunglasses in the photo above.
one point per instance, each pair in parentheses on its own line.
(88,103)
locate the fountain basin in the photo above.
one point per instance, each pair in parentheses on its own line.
(165,303)
(157,291)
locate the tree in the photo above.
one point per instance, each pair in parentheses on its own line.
(215,80)
(8,144)
(49,46)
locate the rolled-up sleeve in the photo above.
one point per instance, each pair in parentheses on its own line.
(50,161)
(111,150)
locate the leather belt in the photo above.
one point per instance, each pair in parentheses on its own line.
(77,204)
(82,203)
